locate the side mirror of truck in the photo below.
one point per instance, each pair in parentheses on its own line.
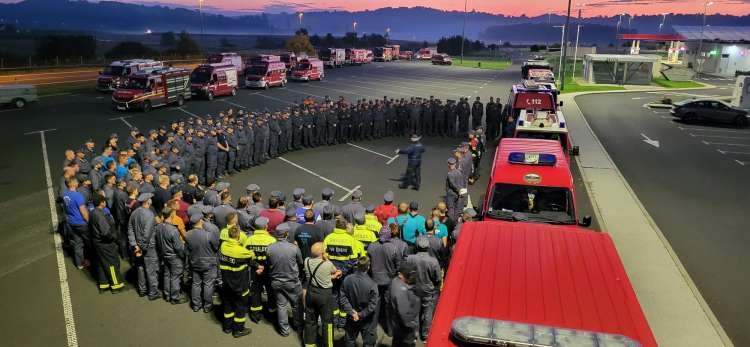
(574,151)
(560,104)
(585,221)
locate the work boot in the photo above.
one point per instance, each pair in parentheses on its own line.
(226,326)
(240,333)
(180,301)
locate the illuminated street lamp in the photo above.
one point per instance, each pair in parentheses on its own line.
(700,43)
(387,34)
(663,21)
(354,26)
(200,10)
(148,31)
(300,15)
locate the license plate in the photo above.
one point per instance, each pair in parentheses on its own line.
(122,108)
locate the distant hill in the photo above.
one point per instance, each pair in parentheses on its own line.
(417,23)
(530,33)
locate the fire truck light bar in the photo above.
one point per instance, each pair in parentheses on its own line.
(483,331)
(543,159)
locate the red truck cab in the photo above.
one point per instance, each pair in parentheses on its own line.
(530,96)
(383,54)
(210,80)
(227,58)
(531,182)
(310,69)
(145,91)
(355,56)
(523,284)
(265,75)
(117,72)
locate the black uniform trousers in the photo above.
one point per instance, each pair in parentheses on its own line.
(235,292)
(383,314)
(108,266)
(318,303)
(256,301)
(367,327)
(412,177)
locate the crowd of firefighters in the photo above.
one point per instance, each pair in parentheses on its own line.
(158,202)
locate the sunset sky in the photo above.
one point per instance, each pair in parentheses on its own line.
(509,7)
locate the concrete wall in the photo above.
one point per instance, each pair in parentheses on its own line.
(729,58)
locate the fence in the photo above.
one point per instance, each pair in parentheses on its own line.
(35,63)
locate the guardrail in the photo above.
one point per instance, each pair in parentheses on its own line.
(83,64)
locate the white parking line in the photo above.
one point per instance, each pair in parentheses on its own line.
(123,120)
(189,113)
(725,144)
(721,137)
(712,130)
(231,103)
(277,99)
(11,110)
(739,162)
(390,159)
(55,94)
(732,152)
(70,323)
(348,191)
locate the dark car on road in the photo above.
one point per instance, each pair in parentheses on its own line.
(710,111)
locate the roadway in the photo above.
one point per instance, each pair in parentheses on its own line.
(692,179)
(28,264)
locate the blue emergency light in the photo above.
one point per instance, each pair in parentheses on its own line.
(544,159)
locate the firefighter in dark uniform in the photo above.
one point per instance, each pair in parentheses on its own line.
(307,129)
(477,112)
(378,121)
(141,236)
(241,138)
(438,110)
(385,259)
(258,243)
(249,160)
(212,156)
(202,247)
(321,121)
(284,265)
(297,127)
(413,175)
(463,111)
(104,236)
(414,110)
(171,251)
(274,135)
(403,305)
(265,133)
(234,260)
(428,121)
(332,125)
(359,300)
(455,190)
(428,281)
(450,118)
(199,147)
(222,143)
(233,146)
(342,250)
(286,132)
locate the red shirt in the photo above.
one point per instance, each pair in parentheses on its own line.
(275,217)
(385,211)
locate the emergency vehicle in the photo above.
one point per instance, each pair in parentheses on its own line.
(210,80)
(531,182)
(369,56)
(441,59)
(332,57)
(406,55)
(395,51)
(533,65)
(356,56)
(426,53)
(265,75)
(310,69)
(546,125)
(227,58)
(145,91)
(530,96)
(118,72)
(290,60)
(264,58)
(536,285)
(383,54)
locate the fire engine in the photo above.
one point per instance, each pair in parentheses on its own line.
(395,51)
(290,60)
(531,182)
(309,69)
(332,57)
(546,125)
(145,91)
(369,56)
(530,96)
(118,72)
(356,56)
(383,54)
(406,55)
(265,75)
(537,285)
(264,58)
(533,65)
(426,53)
(227,58)
(210,80)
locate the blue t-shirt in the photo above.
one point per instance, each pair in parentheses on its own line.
(441,230)
(400,220)
(414,226)
(73,201)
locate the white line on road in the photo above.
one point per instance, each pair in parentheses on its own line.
(277,99)
(721,137)
(641,97)
(70,324)
(706,142)
(189,113)
(349,191)
(231,103)
(123,120)
(739,162)
(12,110)
(369,150)
(56,94)
(731,152)
(392,159)
(725,144)
(713,130)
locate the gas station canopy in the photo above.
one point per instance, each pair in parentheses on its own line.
(651,37)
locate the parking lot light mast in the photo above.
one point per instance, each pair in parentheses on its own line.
(578,35)
(387,35)
(663,21)
(463,31)
(565,46)
(200,11)
(562,38)
(700,42)
(354,26)
(300,15)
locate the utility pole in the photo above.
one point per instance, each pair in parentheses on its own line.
(562,38)
(463,32)
(565,46)
(200,10)
(700,43)
(575,54)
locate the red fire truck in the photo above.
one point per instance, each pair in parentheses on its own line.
(369,57)
(406,55)
(332,57)
(537,285)
(310,69)
(426,53)
(290,60)
(356,56)
(118,72)
(531,181)
(145,91)
(534,65)
(210,80)
(383,54)
(530,96)
(264,58)
(227,58)
(266,75)
(395,51)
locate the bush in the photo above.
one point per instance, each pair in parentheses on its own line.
(130,49)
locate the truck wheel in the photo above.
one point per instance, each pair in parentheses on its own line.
(266,86)
(146,106)
(283,82)
(741,121)
(180,100)
(321,77)
(19,103)
(234,91)
(210,96)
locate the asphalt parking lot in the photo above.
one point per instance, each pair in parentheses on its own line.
(694,185)
(35,314)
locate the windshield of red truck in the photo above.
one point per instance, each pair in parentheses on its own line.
(534,101)
(303,66)
(552,205)
(286,58)
(256,71)
(544,135)
(200,76)
(215,59)
(136,83)
(113,70)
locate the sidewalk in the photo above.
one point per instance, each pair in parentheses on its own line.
(675,310)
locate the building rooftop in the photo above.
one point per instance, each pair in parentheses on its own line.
(714,33)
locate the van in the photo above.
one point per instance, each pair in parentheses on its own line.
(17,95)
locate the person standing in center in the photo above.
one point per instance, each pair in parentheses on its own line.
(359,300)
(258,243)
(234,259)
(414,152)
(284,262)
(318,296)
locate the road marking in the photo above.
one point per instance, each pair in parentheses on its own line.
(369,150)
(74,81)
(641,97)
(70,324)
(725,144)
(392,159)
(189,113)
(12,110)
(651,142)
(55,94)
(231,103)
(731,152)
(739,162)
(706,142)
(721,137)
(713,130)
(277,99)
(124,121)
(349,191)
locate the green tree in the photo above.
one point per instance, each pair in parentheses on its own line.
(224,43)
(315,40)
(300,43)
(66,47)
(168,39)
(350,39)
(187,46)
(131,49)
(329,40)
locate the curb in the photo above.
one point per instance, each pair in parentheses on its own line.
(667,246)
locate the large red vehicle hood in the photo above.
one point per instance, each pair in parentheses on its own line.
(126,94)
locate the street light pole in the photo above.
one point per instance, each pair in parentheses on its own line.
(200,10)
(663,21)
(565,46)
(562,38)
(463,32)
(300,19)
(700,42)
(575,54)
(387,35)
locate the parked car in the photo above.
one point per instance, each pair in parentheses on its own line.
(17,95)
(441,59)
(694,110)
